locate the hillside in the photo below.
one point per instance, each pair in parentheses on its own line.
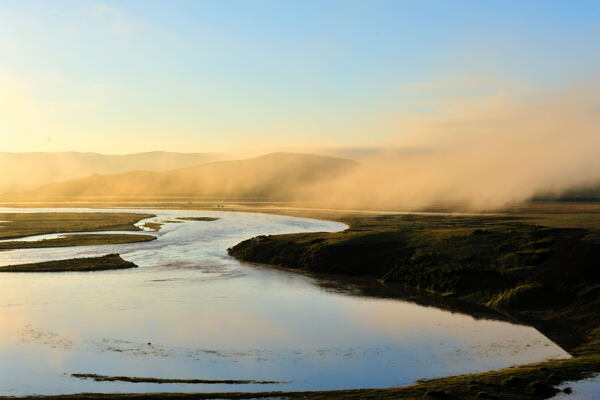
(31,170)
(277,175)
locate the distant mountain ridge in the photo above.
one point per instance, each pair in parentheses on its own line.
(276,175)
(25,171)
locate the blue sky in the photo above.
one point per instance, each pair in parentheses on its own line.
(126,76)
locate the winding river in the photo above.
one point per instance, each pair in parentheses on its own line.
(191,311)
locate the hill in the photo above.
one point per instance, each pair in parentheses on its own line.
(26,171)
(272,176)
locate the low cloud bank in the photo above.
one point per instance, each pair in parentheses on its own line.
(481,155)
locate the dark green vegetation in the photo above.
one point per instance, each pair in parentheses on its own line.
(133,379)
(198,218)
(104,263)
(78,240)
(16,225)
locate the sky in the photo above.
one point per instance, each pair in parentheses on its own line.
(194,76)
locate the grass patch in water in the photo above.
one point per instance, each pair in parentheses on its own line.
(30,224)
(153,226)
(198,218)
(528,382)
(78,240)
(133,379)
(88,264)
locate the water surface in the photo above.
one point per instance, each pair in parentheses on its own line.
(191,311)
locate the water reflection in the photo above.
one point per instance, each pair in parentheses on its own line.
(191,311)
(586,389)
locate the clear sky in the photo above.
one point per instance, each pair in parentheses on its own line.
(194,76)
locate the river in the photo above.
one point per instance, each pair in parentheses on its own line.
(192,311)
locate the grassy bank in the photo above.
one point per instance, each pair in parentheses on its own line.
(104,263)
(545,276)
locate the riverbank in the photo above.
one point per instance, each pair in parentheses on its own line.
(536,274)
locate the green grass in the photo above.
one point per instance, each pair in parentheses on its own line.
(28,224)
(78,240)
(198,218)
(153,226)
(18,225)
(135,379)
(108,262)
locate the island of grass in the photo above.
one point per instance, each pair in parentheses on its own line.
(152,226)
(77,240)
(88,264)
(16,225)
(135,379)
(19,225)
(198,218)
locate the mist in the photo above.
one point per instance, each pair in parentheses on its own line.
(480,155)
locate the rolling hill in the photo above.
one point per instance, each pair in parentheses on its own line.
(272,176)
(25,171)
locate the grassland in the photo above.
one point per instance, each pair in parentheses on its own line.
(18,225)
(88,264)
(77,240)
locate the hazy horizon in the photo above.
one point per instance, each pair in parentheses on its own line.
(475,110)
